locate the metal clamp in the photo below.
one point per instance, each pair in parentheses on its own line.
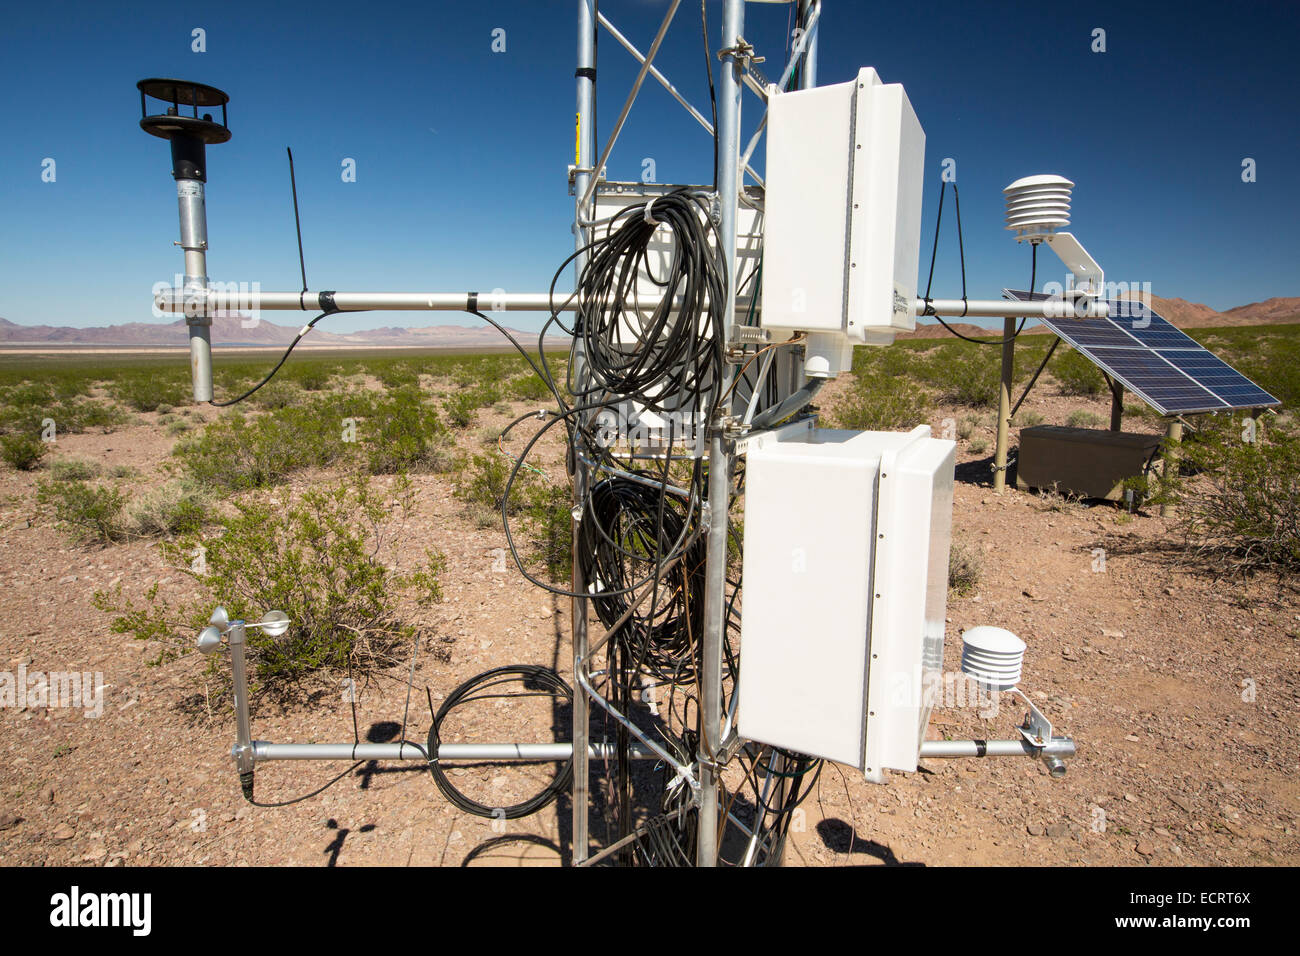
(743,54)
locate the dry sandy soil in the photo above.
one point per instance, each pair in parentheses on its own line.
(1180,690)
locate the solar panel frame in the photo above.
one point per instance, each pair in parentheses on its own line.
(1154,359)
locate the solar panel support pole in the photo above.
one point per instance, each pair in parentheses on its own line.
(1116,406)
(1173,436)
(1004,404)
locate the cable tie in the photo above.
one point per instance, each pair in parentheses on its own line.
(646,214)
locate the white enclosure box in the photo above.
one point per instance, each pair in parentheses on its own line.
(845,587)
(843,230)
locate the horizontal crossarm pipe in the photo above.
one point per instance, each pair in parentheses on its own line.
(942,749)
(179,300)
(1003,309)
(560,750)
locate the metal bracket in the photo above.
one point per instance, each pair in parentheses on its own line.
(573,173)
(732,428)
(730,747)
(1037,729)
(742,53)
(760,438)
(749,335)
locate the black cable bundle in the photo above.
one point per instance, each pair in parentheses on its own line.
(677,352)
(773,815)
(627,530)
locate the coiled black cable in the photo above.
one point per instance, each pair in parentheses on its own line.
(627,527)
(533,677)
(675,355)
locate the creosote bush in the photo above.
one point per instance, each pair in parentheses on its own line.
(963,569)
(326,558)
(1237,502)
(74,469)
(22,451)
(102,514)
(1075,374)
(88,513)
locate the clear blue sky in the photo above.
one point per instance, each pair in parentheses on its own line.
(461,152)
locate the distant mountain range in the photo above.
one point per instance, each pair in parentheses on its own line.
(234,329)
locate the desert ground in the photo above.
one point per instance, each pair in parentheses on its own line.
(1178,682)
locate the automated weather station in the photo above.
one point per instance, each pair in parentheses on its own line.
(704,320)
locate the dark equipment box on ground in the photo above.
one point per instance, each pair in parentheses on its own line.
(1083,462)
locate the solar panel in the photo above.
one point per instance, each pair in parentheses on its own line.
(1156,361)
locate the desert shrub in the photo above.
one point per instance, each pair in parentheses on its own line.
(460,409)
(965,374)
(28,395)
(23,452)
(312,376)
(978,446)
(406,434)
(1134,408)
(325,559)
(235,453)
(880,403)
(148,391)
(1076,375)
(69,416)
(974,380)
(396,375)
(1082,418)
(74,469)
(89,513)
(1238,502)
(1028,418)
(964,569)
(277,393)
(78,416)
(527,388)
(486,395)
(173,508)
(548,519)
(178,426)
(481,481)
